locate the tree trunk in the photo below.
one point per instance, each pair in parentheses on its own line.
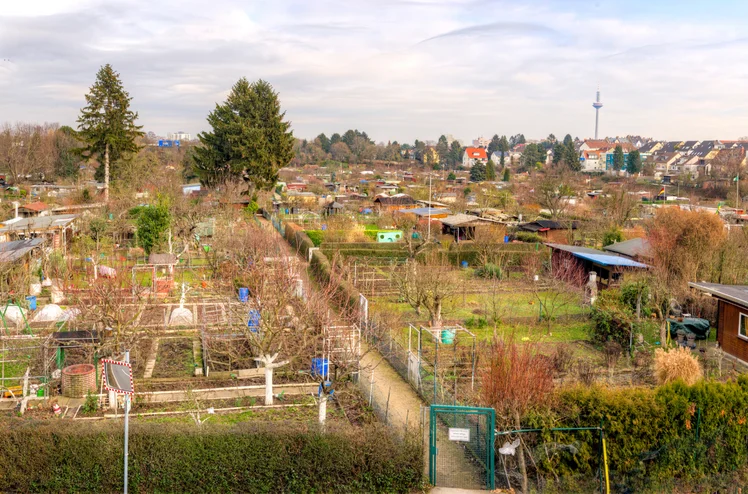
(106,173)
(437,319)
(521,455)
(268,383)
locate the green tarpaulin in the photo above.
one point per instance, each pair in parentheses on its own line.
(699,327)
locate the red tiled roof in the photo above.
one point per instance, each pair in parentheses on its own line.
(36,206)
(476,153)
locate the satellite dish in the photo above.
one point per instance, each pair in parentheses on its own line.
(509,449)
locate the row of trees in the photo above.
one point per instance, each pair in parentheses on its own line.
(29,151)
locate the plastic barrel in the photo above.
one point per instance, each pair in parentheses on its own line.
(31,299)
(254,320)
(243,294)
(464,264)
(448,336)
(506,239)
(319,367)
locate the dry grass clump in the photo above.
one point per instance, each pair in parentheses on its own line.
(674,364)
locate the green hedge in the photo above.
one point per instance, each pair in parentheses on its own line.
(54,456)
(652,434)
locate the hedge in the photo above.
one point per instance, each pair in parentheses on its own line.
(652,434)
(55,456)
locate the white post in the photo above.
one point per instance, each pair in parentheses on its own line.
(322,407)
(127,422)
(268,384)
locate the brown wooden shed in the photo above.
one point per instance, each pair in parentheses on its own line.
(732,316)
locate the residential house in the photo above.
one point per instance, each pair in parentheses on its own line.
(592,161)
(496,157)
(732,316)
(671,146)
(430,156)
(592,144)
(664,163)
(474,155)
(650,147)
(481,142)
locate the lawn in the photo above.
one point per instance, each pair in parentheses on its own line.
(505,305)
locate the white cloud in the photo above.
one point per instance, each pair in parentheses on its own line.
(397,69)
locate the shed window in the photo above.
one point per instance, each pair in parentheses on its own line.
(743,326)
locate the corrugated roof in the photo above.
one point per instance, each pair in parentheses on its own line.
(425,211)
(12,251)
(37,223)
(462,219)
(610,260)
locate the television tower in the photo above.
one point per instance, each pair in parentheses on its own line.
(597,105)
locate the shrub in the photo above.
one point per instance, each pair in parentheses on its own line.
(677,363)
(612,236)
(612,320)
(630,296)
(490,271)
(528,237)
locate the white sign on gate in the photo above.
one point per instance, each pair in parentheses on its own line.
(461,435)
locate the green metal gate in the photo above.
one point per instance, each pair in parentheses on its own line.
(461,447)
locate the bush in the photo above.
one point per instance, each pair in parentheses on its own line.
(49,456)
(657,439)
(612,236)
(674,364)
(612,320)
(630,295)
(528,237)
(490,271)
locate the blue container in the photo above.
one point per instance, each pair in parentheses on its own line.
(448,336)
(506,239)
(464,264)
(254,320)
(244,295)
(320,367)
(31,299)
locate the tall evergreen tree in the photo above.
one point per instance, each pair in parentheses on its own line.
(634,162)
(455,154)
(106,124)
(324,142)
(618,158)
(478,172)
(250,138)
(493,146)
(490,171)
(504,148)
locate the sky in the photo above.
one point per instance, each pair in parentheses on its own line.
(397,69)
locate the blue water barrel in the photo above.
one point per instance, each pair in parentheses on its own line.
(506,239)
(320,367)
(464,264)
(448,336)
(31,299)
(243,295)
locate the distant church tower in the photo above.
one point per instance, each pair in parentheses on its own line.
(597,105)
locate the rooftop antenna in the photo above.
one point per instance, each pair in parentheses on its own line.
(597,105)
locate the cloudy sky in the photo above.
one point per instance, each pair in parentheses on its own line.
(398,69)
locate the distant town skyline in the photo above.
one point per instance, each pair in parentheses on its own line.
(397,69)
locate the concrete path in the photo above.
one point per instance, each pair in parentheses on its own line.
(150,364)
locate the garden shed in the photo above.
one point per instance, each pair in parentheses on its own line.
(574,264)
(732,316)
(462,226)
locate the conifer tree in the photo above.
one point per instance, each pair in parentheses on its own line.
(250,138)
(490,171)
(106,124)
